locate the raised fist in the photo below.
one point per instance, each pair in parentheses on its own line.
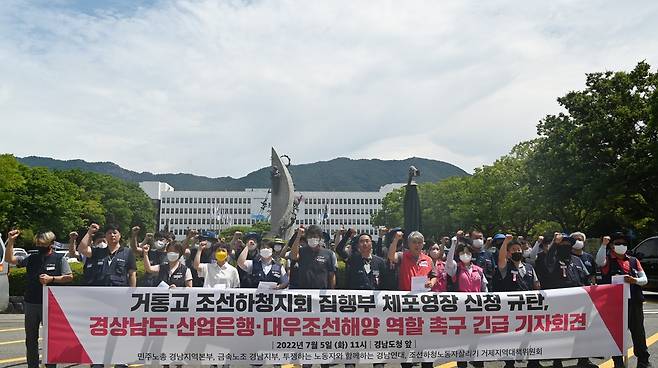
(73,235)
(93,228)
(135,230)
(605,241)
(509,237)
(300,231)
(460,233)
(398,235)
(14,234)
(192,234)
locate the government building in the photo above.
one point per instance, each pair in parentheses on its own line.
(218,210)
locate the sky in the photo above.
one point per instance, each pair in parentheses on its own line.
(207,87)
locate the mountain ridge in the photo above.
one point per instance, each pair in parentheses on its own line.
(338,174)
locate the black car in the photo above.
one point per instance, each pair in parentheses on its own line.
(647,253)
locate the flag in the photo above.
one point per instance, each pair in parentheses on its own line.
(326,212)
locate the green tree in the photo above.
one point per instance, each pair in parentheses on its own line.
(110,200)
(11,182)
(47,202)
(596,163)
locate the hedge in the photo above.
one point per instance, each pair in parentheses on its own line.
(17,276)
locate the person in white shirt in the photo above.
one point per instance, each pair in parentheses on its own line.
(219,275)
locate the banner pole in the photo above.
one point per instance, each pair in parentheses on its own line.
(44,321)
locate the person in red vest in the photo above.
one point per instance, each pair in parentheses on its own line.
(412,263)
(613,260)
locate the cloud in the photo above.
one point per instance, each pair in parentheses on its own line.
(207,87)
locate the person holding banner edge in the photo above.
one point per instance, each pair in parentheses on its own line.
(43,268)
(613,260)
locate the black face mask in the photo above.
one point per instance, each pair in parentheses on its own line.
(517,257)
(563,252)
(43,250)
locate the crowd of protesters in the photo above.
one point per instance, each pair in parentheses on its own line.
(464,262)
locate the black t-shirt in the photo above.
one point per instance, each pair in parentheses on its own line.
(314,269)
(52,265)
(156,258)
(189,262)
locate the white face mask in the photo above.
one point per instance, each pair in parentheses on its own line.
(478,243)
(101,245)
(172,256)
(159,244)
(277,247)
(313,242)
(266,252)
(621,249)
(579,244)
(466,258)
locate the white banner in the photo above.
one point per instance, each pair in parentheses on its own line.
(246,326)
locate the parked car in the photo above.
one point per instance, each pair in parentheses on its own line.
(647,253)
(4,280)
(20,252)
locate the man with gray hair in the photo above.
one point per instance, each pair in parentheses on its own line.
(412,263)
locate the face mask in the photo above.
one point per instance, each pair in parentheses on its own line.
(101,245)
(526,253)
(491,250)
(579,244)
(620,248)
(477,243)
(465,258)
(517,257)
(221,256)
(313,242)
(434,253)
(172,256)
(43,250)
(266,252)
(251,246)
(159,244)
(277,247)
(563,252)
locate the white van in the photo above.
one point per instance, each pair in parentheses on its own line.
(4,280)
